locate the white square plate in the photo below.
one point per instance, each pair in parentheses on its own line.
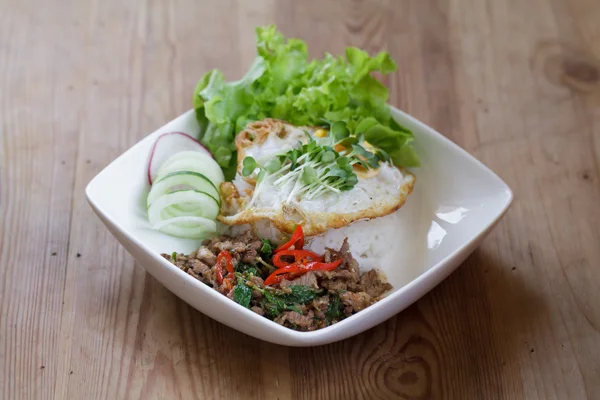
(456,202)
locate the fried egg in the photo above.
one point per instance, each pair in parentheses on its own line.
(378,192)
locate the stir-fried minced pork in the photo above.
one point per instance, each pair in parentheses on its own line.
(310,301)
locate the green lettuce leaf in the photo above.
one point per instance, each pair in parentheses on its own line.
(282,83)
(222,109)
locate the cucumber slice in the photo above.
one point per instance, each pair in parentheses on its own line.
(193,180)
(188,227)
(192,161)
(185,207)
(208,206)
(182,210)
(168,144)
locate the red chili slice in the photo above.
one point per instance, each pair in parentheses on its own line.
(302,256)
(320,266)
(219,272)
(298,269)
(284,272)
(297,240)
(224,259)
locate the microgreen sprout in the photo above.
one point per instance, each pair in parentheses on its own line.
(315,168)
(248,166)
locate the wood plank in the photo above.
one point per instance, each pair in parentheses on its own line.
(38,140)
(194,352)
(537,118)
(515,83)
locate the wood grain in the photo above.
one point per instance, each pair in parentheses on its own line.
(515,83)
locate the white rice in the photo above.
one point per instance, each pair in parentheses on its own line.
(394,244)
(369,240)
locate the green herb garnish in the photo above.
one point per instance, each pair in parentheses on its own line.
(272,304)
(242,267)
(314,169)
(266,251)
(242,293)
(248,166)
(334,309)
(300,294)
(275,304)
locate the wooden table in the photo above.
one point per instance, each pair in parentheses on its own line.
(516,83)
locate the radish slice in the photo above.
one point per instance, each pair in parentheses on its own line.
(168,144)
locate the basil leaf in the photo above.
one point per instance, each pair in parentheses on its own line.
(266,251)
(300,294)
(334,309)
(242,294)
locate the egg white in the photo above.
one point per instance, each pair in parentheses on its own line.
(374,195)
